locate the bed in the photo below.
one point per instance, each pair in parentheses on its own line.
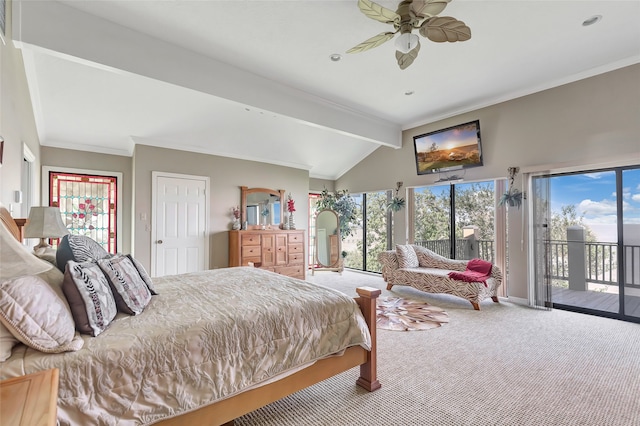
(208,348)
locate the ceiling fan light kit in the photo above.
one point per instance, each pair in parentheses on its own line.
(410,15)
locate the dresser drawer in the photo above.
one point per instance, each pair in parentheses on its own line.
(295,248)
(296,258)
(250,240)
(251,251)
(296,238)
(291,271)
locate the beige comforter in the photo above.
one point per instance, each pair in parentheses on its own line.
(206,336)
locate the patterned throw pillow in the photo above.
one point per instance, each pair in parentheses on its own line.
(79,248)
(407,257)
(145,276)
(89,296)
(129,290)
(32,311)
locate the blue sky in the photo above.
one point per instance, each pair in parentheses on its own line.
(594,196)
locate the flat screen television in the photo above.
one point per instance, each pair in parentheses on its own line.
(454,148)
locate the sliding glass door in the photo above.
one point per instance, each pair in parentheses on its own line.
(630,236)
(590,251)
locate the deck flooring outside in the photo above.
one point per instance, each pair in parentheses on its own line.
(600,301)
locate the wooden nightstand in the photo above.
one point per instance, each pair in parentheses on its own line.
(29,400)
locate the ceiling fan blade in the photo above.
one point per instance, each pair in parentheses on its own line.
(377,12)
(406,59)
(374,41)
(445,28)
(428,8)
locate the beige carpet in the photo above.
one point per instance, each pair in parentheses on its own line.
(503,365)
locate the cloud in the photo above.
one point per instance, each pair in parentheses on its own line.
(597,175)
(597,208)
(636,197)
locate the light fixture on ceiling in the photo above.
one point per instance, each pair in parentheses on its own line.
(335,57)
(592,20)
(407,42)
(420,15)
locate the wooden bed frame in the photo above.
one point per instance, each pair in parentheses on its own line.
(225,411)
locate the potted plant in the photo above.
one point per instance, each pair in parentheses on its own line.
(344,206)
(397,203)
(513,197)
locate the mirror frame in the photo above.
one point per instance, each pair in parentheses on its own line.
(245,191)
(338,266)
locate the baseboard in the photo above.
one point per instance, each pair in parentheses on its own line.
(517,300)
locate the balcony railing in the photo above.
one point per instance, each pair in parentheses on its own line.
(466,248)
(599,261)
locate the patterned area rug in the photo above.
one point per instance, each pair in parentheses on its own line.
(394,313)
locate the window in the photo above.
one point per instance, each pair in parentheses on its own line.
(88,204)
(456,221)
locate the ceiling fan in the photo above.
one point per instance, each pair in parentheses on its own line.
(412,14)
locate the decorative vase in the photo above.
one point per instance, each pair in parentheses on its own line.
(292,223)
(236,224)
(285,223)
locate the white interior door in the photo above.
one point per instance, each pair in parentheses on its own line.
(180,241)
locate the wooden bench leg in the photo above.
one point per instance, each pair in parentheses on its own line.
(475,306)
(495,299)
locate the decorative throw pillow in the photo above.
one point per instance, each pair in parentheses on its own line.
(143,273)
(406,256)
(89,296)
(79,248)
(129,290)
(36,316)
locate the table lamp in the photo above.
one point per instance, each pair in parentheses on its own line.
(44,223)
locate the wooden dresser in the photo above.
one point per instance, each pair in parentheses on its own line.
(275,250)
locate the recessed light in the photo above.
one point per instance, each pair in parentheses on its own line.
(408,93)
(590,21)
(335,57)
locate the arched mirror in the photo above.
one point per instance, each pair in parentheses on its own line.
(262,208)
(327,242)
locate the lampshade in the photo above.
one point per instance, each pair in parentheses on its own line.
(406,42)
(44,222)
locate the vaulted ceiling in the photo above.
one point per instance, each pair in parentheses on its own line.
(254,79)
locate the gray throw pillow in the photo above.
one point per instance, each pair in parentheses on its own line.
(90,298)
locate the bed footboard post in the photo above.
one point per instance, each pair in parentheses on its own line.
(368,371)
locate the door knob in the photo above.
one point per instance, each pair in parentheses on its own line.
(160,241)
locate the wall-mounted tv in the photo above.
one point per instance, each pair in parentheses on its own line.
(453,148)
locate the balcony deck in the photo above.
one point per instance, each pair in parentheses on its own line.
(600,301)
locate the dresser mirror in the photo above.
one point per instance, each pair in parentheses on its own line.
(327,242)
(261,208)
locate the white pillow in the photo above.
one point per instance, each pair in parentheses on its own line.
(32,311)
(407,257)
(16,259)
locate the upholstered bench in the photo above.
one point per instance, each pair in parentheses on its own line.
(422,269)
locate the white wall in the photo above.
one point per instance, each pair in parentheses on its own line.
(17,124)
(583,123)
